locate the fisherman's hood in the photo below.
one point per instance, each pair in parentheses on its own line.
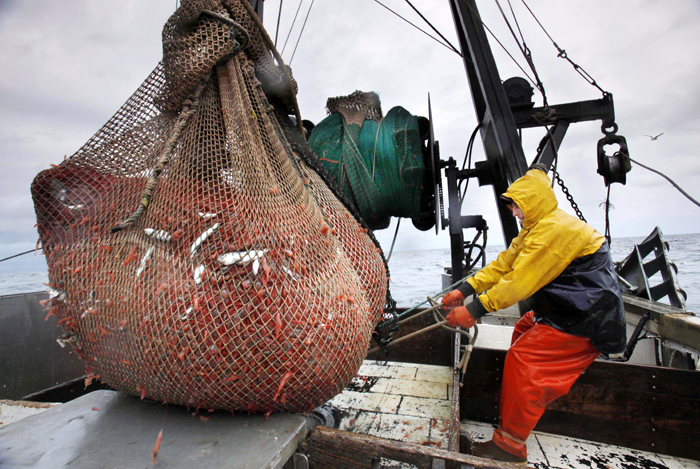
(534,195)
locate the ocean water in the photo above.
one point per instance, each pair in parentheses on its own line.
(415,275)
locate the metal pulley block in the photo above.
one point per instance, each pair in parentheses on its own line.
(613,168)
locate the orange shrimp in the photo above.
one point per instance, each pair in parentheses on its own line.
(266,270)
(52,312)
(156,447)
(278,325)
(132,255)
(160,288)
(286,376)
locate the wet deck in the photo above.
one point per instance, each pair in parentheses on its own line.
(548,451)
(399,401)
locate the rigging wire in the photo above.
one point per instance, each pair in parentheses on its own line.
(433,28)
(20,254)
(562,53)
(668,179)
(292,26)
(517,24)
(398,223)
(419,29)
(524,49)
(467,163)
(302,32)
(476,15)
(279,17)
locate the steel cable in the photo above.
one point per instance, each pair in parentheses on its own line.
(419,29)
(669,180)
(302,32)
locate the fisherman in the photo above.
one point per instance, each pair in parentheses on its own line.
(562,266)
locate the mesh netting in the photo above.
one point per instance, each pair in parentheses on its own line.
(356,107)
(377,162)
(243,281)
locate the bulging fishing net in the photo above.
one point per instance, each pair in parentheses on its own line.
(198,252)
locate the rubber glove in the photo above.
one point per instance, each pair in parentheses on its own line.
(460,317)
(452,299)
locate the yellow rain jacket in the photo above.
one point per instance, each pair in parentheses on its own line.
(558,259)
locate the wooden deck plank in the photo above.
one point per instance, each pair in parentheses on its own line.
(425,407)
(406,402)
(561,452)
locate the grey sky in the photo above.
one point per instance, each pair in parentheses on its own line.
(66,67)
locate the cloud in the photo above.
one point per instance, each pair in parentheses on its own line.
(67,67)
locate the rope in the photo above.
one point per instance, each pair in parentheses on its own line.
(188,109)
(438,295)
(302,32)
(280,63)
(419,29)
(669,180)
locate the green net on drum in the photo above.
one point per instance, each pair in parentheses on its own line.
(198,252)
(376,160)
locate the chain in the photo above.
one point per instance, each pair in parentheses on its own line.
(569,197)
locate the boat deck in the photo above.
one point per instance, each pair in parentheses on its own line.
(407,402)
(550,451)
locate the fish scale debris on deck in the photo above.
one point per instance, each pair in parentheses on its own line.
(549,451)
(407,402)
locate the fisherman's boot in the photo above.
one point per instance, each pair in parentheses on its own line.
(490,450)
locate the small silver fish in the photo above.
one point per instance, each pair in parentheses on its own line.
(187,314)
(160,235)
(56,295)
(203,237)
(144,259)
(207,215)
(198,274)
(243,258)
(288,271)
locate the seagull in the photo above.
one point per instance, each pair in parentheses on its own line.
(654,138)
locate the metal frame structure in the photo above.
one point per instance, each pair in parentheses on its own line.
(499,125)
